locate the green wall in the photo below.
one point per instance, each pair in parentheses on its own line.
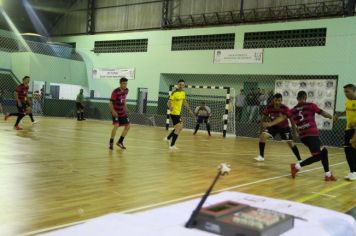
(336,58)
(5,60)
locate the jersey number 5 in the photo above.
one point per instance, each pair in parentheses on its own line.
(301,115)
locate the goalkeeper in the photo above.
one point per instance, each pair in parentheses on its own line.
(203,114)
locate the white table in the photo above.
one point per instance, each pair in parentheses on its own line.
(170,220)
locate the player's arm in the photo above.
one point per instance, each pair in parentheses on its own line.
(339,114)
(17,98)
(294,128)
(169,104)
(113,112)
(29,100)
(83,100)
(264,119)
(274,122)
(326,115)
(186,104)
(208,110)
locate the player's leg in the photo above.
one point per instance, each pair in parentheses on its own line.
(318,153)
(264,136)
(199,121)
(78,111)
(178,127)
(124,121)
(120,143)
(208,125)
(82,112)
(286,135)
(29,112)
(21,114)
(350,154)
(174,121)
(115,122)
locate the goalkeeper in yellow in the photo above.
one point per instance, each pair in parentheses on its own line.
(350,133)
(175,103)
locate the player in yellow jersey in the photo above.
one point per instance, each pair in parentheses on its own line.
(350,134)
(175,104)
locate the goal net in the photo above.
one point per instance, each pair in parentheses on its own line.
(219,99)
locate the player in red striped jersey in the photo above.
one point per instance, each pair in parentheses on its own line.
(23,103)
(303,115)
(119,113)
(272,111)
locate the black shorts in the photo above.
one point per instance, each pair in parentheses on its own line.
(203,119)
(79,106)
(176,119)
(22,109)
(313,143)
(120,121)
(348,136)
(284,133)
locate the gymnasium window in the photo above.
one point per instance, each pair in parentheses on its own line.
(286,38)
(203,42)
(121,46)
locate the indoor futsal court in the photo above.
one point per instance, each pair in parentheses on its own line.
(177,117)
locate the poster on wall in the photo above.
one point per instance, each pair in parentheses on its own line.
(238,56)
(114,73)
(320,92)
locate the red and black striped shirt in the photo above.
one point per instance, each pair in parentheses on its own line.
(303,115)
(118,99)
(274,113)
(22,91)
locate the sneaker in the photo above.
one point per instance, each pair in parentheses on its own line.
(259,158)
(7,115)
(120,145)
(165,139)
(173,147)
(348,176)
(35,122)
(329,178)
(293,170)
(352,176)
(82,119)
(17,127)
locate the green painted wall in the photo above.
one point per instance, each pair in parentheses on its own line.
(5,60)
(336,58)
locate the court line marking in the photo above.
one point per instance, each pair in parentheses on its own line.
(179,200)
(322,192)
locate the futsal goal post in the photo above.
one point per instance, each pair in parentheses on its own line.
(218,98)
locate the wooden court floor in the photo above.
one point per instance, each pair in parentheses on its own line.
(61,171)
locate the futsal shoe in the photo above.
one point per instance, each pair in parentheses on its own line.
(348,176)
(17,127)
(165,139)
(171,148)
(121,145)
(351,176)
(293,170)
(329,178)
(259,158)
(7,115)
